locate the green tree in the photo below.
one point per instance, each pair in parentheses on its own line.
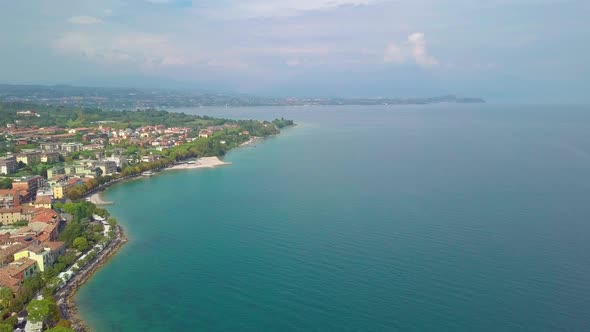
(81,243)
(38,310)
(5,183)
(5,297)
(6,328)
(54,313)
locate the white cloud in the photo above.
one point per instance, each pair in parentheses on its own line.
(419,50)
(83,19)
(148,51)
(293,62)
(413,49)
(274,8)
(160,1)
(394,53)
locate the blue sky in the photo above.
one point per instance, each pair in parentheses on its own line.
(497,49)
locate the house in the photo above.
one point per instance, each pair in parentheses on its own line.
(71,147)
(14,215)
(119,161)
(8,251)
(9,198)
(148,158)
(45,215)
(29,158)
(55,171)
(50,146)
(78,130)
(34,327)
(28,113)
(60,190)
(13,274)
(44,254)
(49,157)
(49,233)
(43,202)
(108,167)
(31,184)
(8,165)
(205,133)
(93,147)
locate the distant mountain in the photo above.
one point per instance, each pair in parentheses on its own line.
(129,98)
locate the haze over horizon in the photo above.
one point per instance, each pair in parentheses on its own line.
(502,50)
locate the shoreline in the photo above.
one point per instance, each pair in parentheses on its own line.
(97,200)
(65,296)
(252,140)
(204,162)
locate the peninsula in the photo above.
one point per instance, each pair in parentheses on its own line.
(53,162)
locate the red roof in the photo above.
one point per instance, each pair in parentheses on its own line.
(45,215)
(43,200)
(54,246)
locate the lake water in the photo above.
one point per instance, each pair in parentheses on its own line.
(410,218)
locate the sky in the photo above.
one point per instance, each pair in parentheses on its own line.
(496,49)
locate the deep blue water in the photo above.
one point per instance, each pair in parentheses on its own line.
(414,218)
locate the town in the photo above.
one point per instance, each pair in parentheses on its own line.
(48,231)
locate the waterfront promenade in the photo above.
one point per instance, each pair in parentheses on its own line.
(64,297)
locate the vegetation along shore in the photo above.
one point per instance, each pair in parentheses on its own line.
(54,161)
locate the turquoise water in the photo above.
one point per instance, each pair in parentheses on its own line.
(418,218)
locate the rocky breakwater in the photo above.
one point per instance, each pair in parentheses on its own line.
(64,296)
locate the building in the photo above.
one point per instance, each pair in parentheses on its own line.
(71,147)
(43,202)
(8,250)
(83,168)
(29,158)
(48,233)
(13,274)
(119,161)
(45,215)
(60,190)
(8,165)
(205,133)
(13,215)
(50,146)
(78,130)
(148,158)
(93,147)
(30,184)
(9,198)
(45,254)
(55,171)
(49,157)
(34,327)
(28,113)
(107,167)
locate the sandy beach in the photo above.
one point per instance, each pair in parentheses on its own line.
(96,199)
(205,162)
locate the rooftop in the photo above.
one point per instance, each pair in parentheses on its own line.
(43,200)
(45,215)
(54,246)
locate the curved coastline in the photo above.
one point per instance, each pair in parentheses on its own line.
(65,296)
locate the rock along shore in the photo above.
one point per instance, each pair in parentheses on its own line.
(65,295)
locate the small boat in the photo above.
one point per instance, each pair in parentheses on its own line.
(147,173)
